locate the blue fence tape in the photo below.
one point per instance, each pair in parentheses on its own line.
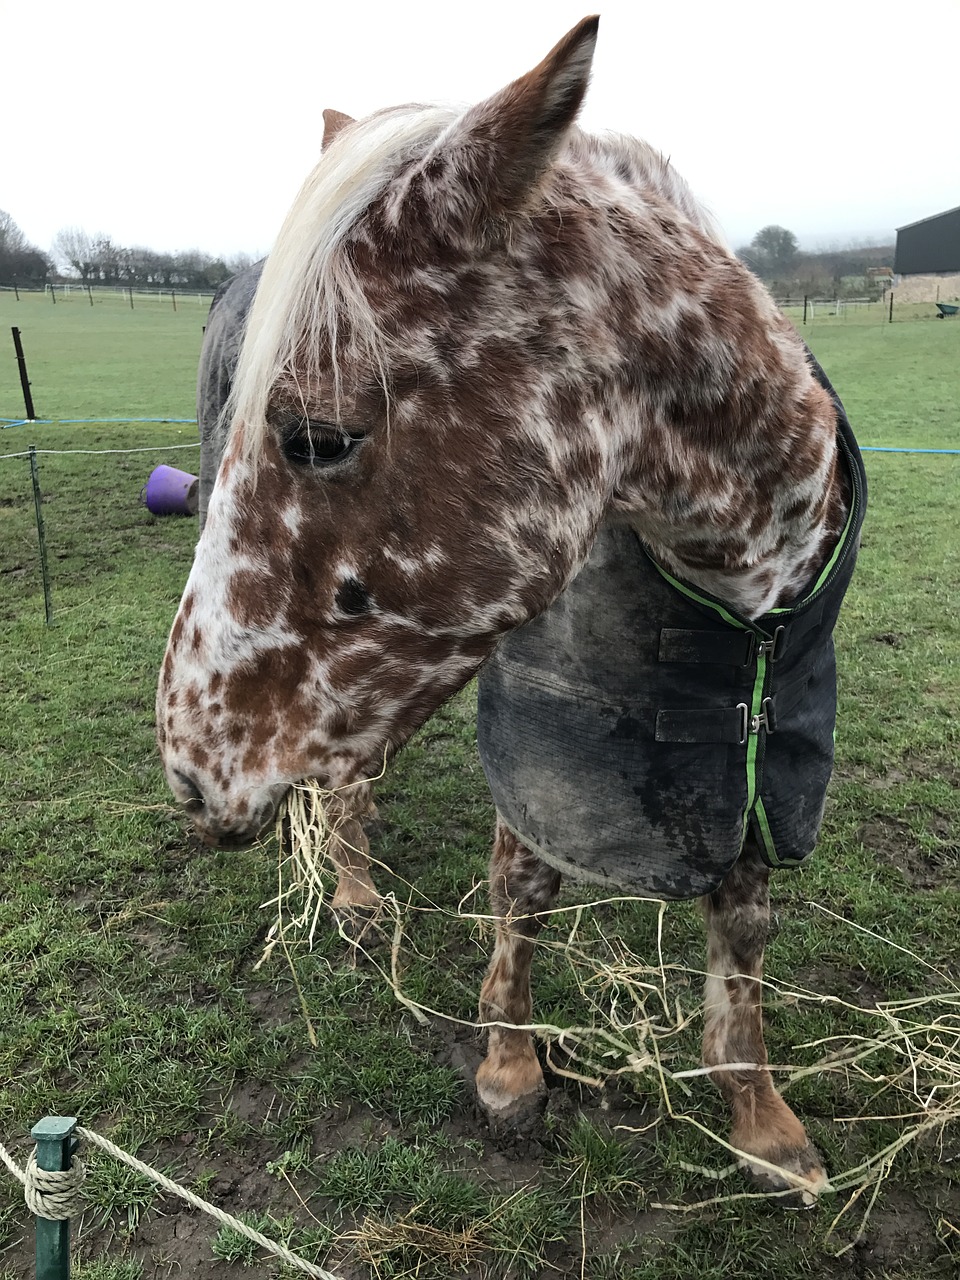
(72,422)
(877,448)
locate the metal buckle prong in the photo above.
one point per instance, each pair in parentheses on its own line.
(772,649)
(764,719)
(744,722)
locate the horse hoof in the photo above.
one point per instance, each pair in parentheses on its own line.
(357,925)
(799,1178)
(513,1121)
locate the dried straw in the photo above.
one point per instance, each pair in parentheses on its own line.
(306,826)
(908,1051)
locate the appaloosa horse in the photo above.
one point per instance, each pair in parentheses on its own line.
(489,351)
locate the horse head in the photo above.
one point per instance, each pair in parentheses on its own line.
(414,464)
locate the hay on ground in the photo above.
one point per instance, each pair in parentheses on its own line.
(908,1052)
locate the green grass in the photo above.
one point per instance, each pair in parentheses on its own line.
(104,361)
(128,993)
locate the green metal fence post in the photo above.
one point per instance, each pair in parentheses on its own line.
(53,1136)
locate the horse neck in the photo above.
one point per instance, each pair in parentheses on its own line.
(746,499)
(731,473)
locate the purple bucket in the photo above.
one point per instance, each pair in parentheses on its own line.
(169,492)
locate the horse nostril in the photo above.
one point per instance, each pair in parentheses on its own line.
(194,801)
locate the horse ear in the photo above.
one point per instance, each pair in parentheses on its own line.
(333,122)
(501,148)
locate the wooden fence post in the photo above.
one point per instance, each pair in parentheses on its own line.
(24,379)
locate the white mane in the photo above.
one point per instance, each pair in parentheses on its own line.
(306,283)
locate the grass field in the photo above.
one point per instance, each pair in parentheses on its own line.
(102,361)
(128,989)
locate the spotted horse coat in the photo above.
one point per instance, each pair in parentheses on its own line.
(355,900)
(634,731)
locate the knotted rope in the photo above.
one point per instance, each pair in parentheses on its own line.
(50,1194)
(56,1196)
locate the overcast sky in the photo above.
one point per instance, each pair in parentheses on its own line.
(193,122)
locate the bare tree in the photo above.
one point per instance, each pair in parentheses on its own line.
(98,259)
(107,258)
(12,239)
(238,262)
(75,249)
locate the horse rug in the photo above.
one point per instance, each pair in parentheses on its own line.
(635,732)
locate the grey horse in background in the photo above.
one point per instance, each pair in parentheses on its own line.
(222,339)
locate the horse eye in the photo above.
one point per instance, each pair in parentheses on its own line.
(317,444)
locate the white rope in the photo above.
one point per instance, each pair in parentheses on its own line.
(55,1196)
(227,1219)
(53,1193)
(25,453)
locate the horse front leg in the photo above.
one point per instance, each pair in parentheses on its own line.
(355,900)
(737,918)
(510,1085)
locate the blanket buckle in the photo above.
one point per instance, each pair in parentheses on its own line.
(744,711)
(772,649)
(765,719)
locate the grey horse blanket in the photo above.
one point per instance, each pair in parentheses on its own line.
(639,729)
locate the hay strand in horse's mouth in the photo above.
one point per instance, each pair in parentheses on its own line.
(306,824)
(312,828)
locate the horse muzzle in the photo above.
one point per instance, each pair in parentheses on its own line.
(221,820)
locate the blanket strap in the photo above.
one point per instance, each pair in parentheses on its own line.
(736,648)
(732,725)
(729,648)
(717,724)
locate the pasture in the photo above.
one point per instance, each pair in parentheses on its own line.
(129,989)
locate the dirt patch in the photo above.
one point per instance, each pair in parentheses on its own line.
(892,638)
(852,985)
(895,843)
(898,1241)
(909,769)
(157,940)
(172,1240)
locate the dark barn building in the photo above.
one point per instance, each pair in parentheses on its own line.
(929,247)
